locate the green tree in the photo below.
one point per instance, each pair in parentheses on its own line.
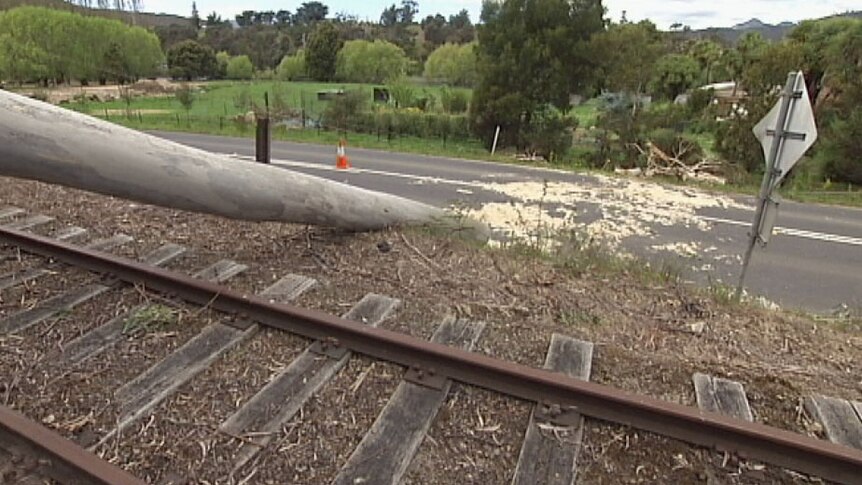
(321,53)
(460,28)
(628,53)
(341,113)
(370,62)
(399,27)
(240,67)
(195,18)
(750,46)
(21,59)
(143,53)
(815,40)
(245,19)
(674,74)
(222,59)
(265,45)
(452,64)
(434,32)
(186,97)
(169,35)
(190,60)
(531,53)
(769,68)
(56,46)
(310,13)
(840,150)
(292,68)
(730,65)
(707,54)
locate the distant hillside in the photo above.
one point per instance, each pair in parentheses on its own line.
(143,19)
(768,31)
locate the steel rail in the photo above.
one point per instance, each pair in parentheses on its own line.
(59,458)
(747,440)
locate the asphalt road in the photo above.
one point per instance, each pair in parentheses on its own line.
(814,262)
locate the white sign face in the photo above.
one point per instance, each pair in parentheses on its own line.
(800,121)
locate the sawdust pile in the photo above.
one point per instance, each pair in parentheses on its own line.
(627,208)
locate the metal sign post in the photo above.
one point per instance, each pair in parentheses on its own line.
(792,134)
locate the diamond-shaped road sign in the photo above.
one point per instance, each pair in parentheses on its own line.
(801,131)
(785,133)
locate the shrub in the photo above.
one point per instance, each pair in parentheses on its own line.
(292,68)
(699,100)
(240,67)
(452,64)
(841,151)
(734,140)
(362,61)
(185,96)
(222,59)
(677,145)
(549,134)
(40,95)
(454,101)
(674,74)
(342,111)
(242,101)
(265,75)
(322,52)
(401,93)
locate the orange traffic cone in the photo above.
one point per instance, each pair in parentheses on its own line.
(341,161)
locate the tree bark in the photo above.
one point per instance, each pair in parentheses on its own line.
(42,142)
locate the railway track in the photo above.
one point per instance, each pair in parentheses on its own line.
(137,380)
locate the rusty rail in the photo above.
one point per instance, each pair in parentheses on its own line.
(57,457)
(748,440)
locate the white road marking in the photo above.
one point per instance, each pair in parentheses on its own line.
(817,236)
(424,179)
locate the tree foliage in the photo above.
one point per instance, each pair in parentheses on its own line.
(452,64)
(531,53)
(437,30)
(292,68)
(674,74)
(310,13)
(397,23)
(322,52)
(841,150)
(628,53)
(707,54)
(186,97)
(370,62)
(39,44)
(222,60)
(190,60)
(769,67)
(169,35)
(240,67)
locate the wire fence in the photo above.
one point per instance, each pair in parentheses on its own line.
(384,125)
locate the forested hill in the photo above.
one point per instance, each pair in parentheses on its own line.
(143,19)
(768,31)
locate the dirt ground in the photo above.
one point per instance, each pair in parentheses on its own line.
(640,325)
(67,94)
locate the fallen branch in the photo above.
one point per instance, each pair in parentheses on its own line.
(661,164)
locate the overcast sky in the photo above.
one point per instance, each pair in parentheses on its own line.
(695,13)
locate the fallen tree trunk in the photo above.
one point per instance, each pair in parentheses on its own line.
(43,142)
